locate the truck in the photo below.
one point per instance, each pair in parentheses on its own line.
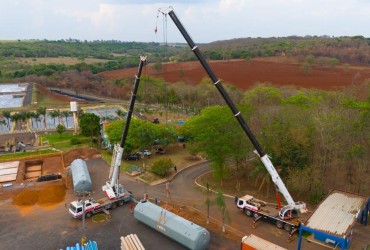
(116,194)
(253,242)
(283,217)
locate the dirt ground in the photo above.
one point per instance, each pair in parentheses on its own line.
(245,75)
(43,192)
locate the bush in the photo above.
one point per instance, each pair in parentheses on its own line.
(162,167)
(75,141)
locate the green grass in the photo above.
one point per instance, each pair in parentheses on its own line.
(17,156)
(63,142)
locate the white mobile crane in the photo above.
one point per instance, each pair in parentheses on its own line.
(115,192)
(249,205)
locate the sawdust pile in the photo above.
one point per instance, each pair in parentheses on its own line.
(80,153)
(46,196)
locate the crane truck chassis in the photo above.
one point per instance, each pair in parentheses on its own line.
(261,210)
(285,215)
(95,206)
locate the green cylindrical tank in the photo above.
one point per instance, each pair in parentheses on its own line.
(175,227)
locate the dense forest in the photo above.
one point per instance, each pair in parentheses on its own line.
(317,140)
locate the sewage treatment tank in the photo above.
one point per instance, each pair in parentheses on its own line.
(81,176)
(175,227)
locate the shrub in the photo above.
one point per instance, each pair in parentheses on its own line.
(162,167)
(75,141)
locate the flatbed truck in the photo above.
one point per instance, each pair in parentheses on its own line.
(95,206)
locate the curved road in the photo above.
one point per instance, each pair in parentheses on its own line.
(185,191)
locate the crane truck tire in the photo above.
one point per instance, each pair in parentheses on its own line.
(114,205)
(120,203)
(88,215)
(287,228)
(249,213)
(279,224)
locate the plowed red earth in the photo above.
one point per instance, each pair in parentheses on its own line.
(247,74)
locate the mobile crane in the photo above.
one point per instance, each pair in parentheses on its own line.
(249,205)
(115,192)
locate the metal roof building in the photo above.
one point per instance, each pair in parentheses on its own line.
(333,220)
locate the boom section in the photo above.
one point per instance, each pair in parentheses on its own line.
(113,183)
(217,82)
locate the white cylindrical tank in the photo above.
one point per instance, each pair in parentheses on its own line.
(175,227)
(73,106)
(81,177)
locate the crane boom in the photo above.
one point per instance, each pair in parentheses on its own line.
(217,82)
(112,188)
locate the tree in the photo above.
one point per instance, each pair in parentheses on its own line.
(15,118)
(161,167)
(42,111)
(7,114)
(208,200)
(220,202)
(120,113)
(66,114)
(216,133)
(89,124)
(60,129)
(54,114)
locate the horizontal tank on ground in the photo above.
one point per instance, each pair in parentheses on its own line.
(81,176)
(175,227)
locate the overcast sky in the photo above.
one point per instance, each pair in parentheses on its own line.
(205,20)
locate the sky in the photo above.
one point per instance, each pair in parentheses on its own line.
(205,20)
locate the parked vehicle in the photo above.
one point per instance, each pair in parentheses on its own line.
(160,151)
(145,152)
(134,157)
(256,243)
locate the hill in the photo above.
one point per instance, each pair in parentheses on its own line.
(246,74)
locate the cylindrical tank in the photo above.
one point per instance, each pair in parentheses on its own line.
(175,227)
(81,176)
(73,106)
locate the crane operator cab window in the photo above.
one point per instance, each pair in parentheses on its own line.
(240,202)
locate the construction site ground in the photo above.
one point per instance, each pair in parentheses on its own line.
(38,213)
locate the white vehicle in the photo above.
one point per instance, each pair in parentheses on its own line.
(115,192)
(147,152)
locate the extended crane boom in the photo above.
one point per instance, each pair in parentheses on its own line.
(112,188)
(284,212)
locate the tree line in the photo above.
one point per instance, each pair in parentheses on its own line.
(347,50)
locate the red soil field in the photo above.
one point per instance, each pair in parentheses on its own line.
(245,74)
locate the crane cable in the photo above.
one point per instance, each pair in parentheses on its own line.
(164,13)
